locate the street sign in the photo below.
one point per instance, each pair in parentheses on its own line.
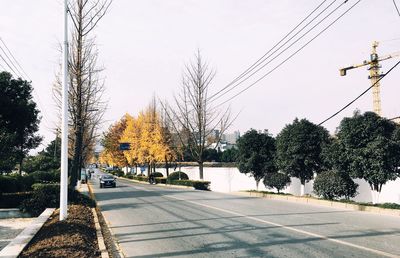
(124,146)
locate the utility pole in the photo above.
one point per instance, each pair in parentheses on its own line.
(64,123)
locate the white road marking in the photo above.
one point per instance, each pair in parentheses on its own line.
(289,228)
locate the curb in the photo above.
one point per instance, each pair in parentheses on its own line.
(339,205)
(100,239)
(16,246)
(118,247)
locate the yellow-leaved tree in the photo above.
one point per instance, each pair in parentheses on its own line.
(112,155)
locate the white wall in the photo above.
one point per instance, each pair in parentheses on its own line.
(230,180)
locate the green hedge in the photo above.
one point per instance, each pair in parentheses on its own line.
(175,176)
(161,180)
(17,183)
(158,174)
(46,176)
(13,200)
(141,178)
(118,173)
(48,196)
(199,185)
(8,184)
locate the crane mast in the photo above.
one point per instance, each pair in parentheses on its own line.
(374,74)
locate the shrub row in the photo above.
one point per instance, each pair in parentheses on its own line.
(17,183)
(13,200)
(199,185)
(48,196)
(118,172)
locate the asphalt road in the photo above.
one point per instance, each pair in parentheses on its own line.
(156,221)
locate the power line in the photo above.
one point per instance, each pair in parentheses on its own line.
(21,76)
(262,58)
(285,60)
(5,61)
(397,9)
(16,61)
(359,96)
(284,50)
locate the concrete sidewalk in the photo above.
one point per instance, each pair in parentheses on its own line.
(10,228)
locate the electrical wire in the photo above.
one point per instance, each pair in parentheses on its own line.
(9,66)
(263,58)
(16,61)
(359,96)
(22,77)
(288,58)
(397,9)
(284,50)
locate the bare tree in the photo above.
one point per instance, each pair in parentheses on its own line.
(86,87)
(195,121)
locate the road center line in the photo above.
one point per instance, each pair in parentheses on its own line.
(288,228)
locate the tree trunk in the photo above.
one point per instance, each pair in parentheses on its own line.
(20,167)
(375,196)
(167,167)
(201,170)
(302,186)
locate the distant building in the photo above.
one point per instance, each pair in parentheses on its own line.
(222,146)
(230,138)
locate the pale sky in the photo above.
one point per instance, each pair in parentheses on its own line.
(144,45)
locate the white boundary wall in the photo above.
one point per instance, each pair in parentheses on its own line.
(226,180)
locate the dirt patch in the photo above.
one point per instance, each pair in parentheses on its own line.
(74,237)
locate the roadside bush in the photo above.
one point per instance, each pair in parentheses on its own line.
(118,173)
(276,180)
(9,184)
(175,176)
(141,178)
(52,176)
(333,185)
(161,180)
(199,185)
(158,174)
(13,200)
(48,196)
(25,183)
(389,205)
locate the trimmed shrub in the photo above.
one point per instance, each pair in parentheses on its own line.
(141,178)
(158,174)
(9,184)
(161,180)
(25,182)
(48,196)
(276,180)
(388,205)
(13,200)
(199,185)
(46,176)
(333,185)
(175,176)
(118,173)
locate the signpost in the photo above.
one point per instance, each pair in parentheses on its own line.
(124,146)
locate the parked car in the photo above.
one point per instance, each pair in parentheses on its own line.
(107,181)
(84,177)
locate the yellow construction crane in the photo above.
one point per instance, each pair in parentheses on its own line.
(374,74)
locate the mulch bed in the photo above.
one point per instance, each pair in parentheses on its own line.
(74,237)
